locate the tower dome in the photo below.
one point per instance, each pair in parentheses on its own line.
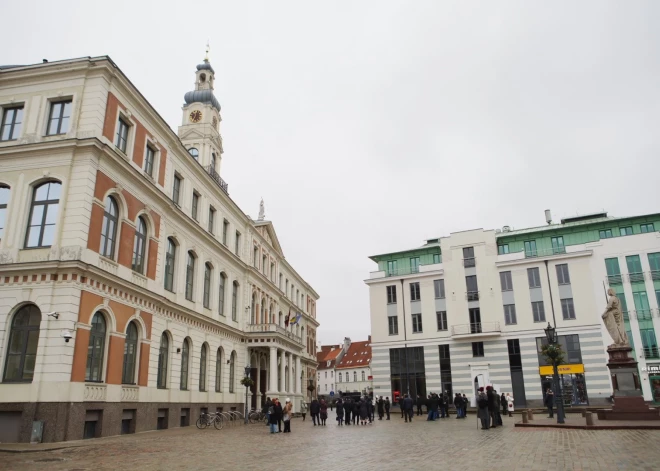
(203,92)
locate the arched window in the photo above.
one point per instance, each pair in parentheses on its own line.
(232,367)
(302,334)
(262,316)
(194,153)
(43,215)
(218,370)
(185,359)
(163,357)
(363,376)
(221,294)
(22,346)
(130,354)
(208,269)
(234,300)
(202,368)
(348,377)
(190,276)
(340,377)
(109,228)
(139,245)
(4,201)
(96,349)
(253,317)
(213,160)
(355,376)
(170,260)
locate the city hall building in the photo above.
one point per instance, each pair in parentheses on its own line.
(469,309)
(134,292)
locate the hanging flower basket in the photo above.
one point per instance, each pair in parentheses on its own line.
(247,382)
(311,387)
(553,353)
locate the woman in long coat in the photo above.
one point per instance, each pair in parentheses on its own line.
(324,411)
(340,412)
(482,408)
(278,414)
(364,412)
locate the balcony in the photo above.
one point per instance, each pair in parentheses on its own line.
(472,295)
(655,275)
(476,329)
(270,330)
(626,316)
(651,352)
(644,314)
(614,279)
(636,277)
(545,252)
(224,186)
(469,262)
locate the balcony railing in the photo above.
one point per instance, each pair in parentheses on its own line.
(651,352)
(545,252)
(644,314)
(472,295)
(614,279)
(469,262)
(476,328)
(403,271)
(655,275)
(273,328)
(224,186)
(636,277)
(626,316)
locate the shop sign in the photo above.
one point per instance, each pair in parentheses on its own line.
(562,369)
(651,369)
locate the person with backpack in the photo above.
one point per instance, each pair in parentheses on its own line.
(482,405)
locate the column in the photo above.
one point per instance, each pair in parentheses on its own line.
(298,376)
(257,389)
(273,370)
(282,370)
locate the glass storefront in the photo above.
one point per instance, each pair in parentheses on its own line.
(573,386)
(571,373)
(407,371)
(655,388)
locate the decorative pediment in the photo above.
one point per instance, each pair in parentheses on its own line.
(267,231)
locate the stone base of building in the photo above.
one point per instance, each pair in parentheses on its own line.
(63,421)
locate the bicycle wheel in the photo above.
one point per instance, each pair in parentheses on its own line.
(218,423)
(202,423)
(253,418)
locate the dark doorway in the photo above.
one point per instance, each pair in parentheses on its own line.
(475,320)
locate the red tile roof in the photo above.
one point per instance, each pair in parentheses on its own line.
(327,354)
(358,356)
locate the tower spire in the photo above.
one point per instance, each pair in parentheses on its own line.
(208,47)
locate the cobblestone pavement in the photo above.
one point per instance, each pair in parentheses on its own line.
(383,446)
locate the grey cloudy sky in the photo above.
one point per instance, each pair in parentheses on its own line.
(369,126)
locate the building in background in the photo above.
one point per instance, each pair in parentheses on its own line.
(327,358)
(469,309)
(353,370)
(134,291)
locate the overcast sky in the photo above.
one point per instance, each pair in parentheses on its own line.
(369,126)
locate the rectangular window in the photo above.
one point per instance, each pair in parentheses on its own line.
(441,317)
(534,277)
(149,156)
(558,245)
(439,288)
(195,204)
(416,323)
(510,314)
(436,258)
(414,265)
(12,120)
(502,249)
(392,268)
(211,218)
(272,271)
(237,248)
(414,292)
(605,234)
(567,308)
(121,140)
(58,119)
(644,228)
(468,257)
(393,323)
(445,369)
(176,189)
(634,264)
(613,270)
(255,257)
(472,288)
(391,294)
(505,281)
(626,231)
(562,274)
(530,248)
(225,231)
(654,264)
(477,349)
(538,311)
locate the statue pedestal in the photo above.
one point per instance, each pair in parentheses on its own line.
(628,400)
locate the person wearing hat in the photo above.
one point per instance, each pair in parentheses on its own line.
(287,413)
(482,405)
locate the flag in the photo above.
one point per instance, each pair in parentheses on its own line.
(297,319)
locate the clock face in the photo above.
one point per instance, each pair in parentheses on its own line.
(196,116)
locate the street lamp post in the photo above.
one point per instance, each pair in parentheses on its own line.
(247,375)
(551,337)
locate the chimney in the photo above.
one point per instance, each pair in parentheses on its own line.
(45,61)
(548,216)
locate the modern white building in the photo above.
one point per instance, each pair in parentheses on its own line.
(469,309)
(133,290)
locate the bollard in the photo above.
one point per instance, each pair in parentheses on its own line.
(530,414)
(524,417)
(590,418)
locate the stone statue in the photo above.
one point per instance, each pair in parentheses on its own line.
(262,210)
(613,320)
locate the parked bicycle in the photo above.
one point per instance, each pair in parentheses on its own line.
(257,417)
(206,420)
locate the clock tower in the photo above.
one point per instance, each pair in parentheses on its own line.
(200,127)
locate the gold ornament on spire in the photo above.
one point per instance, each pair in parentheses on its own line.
(208,47)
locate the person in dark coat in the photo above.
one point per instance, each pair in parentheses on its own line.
(503,403)
(549,401)
(348,409)
(498,417)
(492,405)
(272,419)
(445,402)
(482,409)
(279,414)
(408,408)
(419,403)
(387,407)
(340,412)
(364,412)
(370,409)
(324,411)
(356,411)
(380,406)
(266,408)
(314,410)
(458,404)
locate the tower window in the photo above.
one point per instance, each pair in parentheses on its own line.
(194,153)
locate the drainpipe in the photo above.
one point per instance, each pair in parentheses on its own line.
(405,338)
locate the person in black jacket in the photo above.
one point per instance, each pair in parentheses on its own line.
(549,401)
(503,403)
(348,410)
(458,404)
(419,403)
(380,405)
(387,407)
(277,410)
(492,406)
(408,408)
(356,411)
(314,410)
(340,412)
(265,409)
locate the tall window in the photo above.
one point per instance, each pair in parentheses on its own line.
(190,276)
(170,259)
(538,310)
(211,218)
(534,277)
(176,189)
(207,284)
(130,355)
(221,295)
(477,349)
(218,370)
(139,245)
(163,357)
(468,257)
(393,325)
(605,234)
(625,231)
(530,248)
(237,244)
(121,139)
(505,281)
(567,308)
(414,265)
(4,201)
(195,205)
(502,249)
(22,346)
(391,294)
(416,323)
(43,215)
(472,288)
(355,376)
(202,368)
(392,268)
(194,153)
(510,314)
(234,300)
(225,230)
(149,155)
(414,292)
(232,367)
(558,245)
(363,376)
(644,228)
(562,274)
(436,258)
(339,379)
(439,288)
(255,257)
(12,119)
(96,349)
(109,228)
(185,363)
(58,120)
(441,317)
